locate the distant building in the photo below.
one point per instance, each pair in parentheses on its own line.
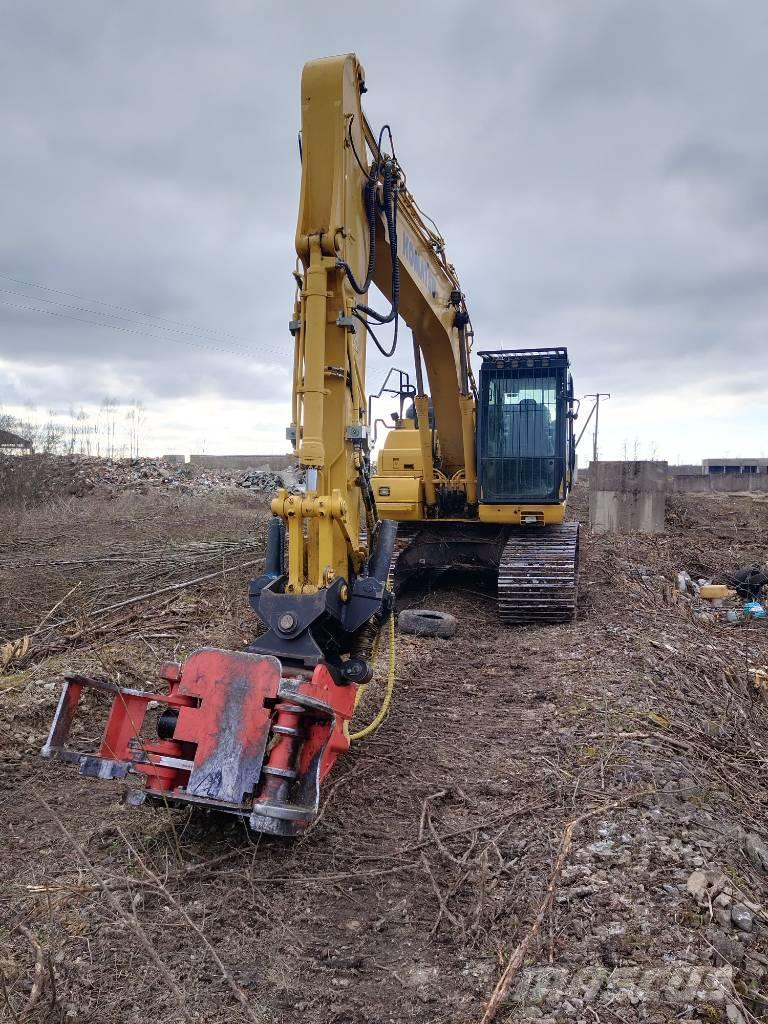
(732,465)
(12,444)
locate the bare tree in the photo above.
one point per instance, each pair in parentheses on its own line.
(111,430)
(107,418)
(83,431)
(51,435)
(135,417)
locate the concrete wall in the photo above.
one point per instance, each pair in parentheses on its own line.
(672,470)
(737,464)
(626,496)
(243,461)
(723,483)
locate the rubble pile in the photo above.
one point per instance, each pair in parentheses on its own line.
(36,479)
(267,479)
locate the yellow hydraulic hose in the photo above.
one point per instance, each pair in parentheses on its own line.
(390,689)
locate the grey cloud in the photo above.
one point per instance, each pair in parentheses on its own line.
(736,178)
(597,169)
(704,160)
(738,289)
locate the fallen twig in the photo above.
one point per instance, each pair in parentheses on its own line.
(39,971)
(171,587)
(7,998)
(114,902)
(58,604)
(238,993)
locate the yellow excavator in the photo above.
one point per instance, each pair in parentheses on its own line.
(476,474)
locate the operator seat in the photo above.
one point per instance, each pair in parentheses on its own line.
(530,441)
(530,434)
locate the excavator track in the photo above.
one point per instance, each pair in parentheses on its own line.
(537,566)
(538,574)
(405,534)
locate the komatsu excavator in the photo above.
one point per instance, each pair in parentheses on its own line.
(477,474)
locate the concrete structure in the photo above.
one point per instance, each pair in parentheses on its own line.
(719,483)
(732,466)
(672,471)
(627,496)
(709,467)
(698,480)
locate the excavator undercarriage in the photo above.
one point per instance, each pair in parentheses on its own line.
(535,568)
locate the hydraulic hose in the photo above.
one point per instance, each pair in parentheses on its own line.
(274,559)
(388,692)
(385,545)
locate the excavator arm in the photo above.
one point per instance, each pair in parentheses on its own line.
(358,224)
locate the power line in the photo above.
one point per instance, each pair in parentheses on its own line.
(117,316)
(128,330)
(123,309)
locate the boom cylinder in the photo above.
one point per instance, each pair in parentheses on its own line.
(417,366)
(311,447)
(421,405)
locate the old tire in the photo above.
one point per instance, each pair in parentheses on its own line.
(425,622)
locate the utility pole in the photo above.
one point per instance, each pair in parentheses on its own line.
(597,397)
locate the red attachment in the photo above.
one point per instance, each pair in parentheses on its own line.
(342,700)
(245,738)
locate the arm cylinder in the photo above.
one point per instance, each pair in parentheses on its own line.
(311,447)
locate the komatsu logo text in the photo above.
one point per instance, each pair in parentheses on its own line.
(420,266)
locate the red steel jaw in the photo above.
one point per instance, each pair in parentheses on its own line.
(249,738)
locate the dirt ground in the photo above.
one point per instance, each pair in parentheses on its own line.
(636,733)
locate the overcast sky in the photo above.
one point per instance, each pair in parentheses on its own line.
(599,170)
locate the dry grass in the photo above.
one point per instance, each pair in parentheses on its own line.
(432,863)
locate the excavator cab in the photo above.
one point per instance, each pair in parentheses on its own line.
(525,444)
